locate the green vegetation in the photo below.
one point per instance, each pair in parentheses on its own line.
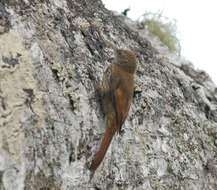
(164,28)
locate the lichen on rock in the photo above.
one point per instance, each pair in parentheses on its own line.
(51,122)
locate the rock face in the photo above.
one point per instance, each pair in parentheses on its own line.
(51,123)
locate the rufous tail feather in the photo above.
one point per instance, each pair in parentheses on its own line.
(110,131)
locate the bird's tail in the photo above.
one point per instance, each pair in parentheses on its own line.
(110,131)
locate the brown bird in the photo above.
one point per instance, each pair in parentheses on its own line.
(116,92)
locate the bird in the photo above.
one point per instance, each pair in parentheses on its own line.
(116,92)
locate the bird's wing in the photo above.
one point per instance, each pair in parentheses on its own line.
(122,106)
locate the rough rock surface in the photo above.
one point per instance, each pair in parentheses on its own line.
(51,123)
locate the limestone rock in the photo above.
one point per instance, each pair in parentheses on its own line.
(51,123)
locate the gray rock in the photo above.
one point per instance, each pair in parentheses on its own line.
(51,123)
